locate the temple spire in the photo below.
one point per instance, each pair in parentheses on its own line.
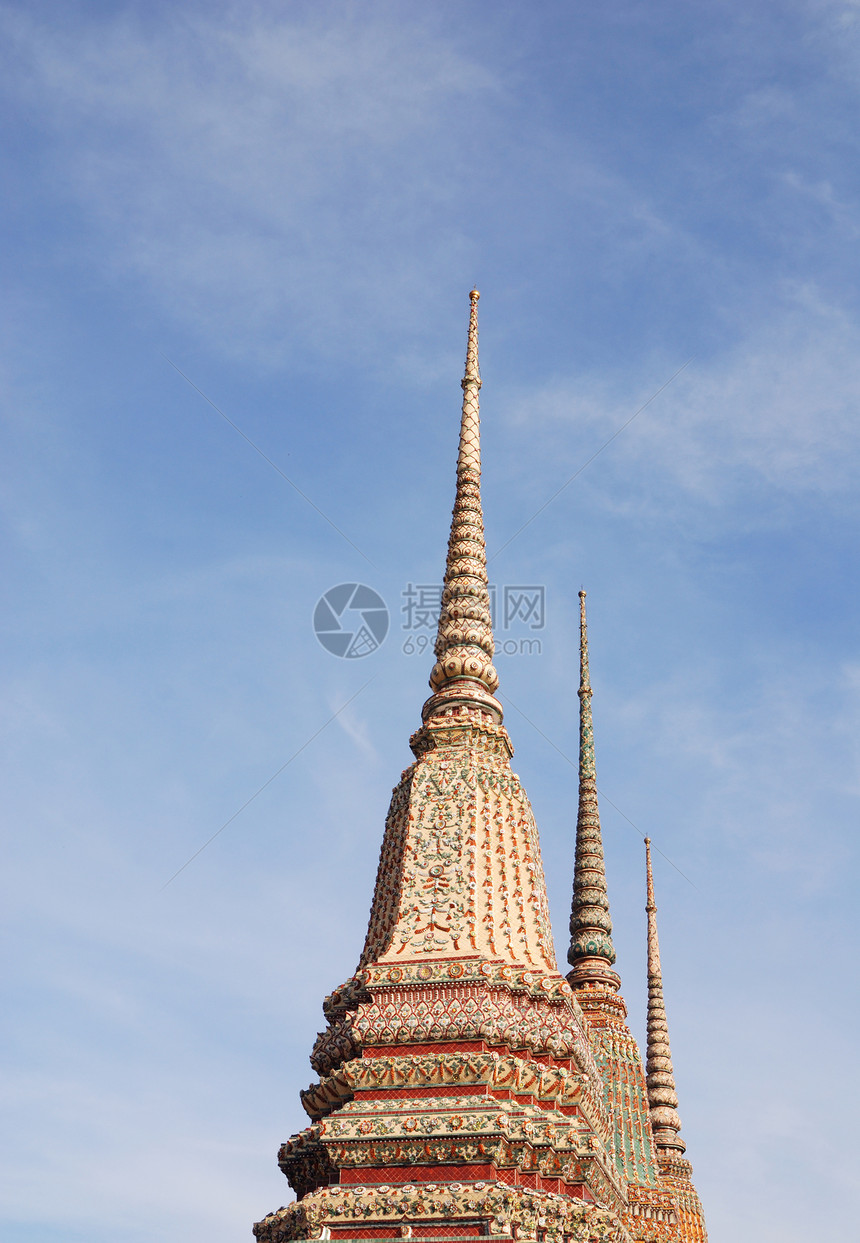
(591,952)
(662,1097)
(464,673)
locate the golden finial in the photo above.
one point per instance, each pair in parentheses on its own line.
(650,904)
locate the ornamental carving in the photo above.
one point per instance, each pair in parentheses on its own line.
(550,1085)
(507,1211)
(460,870)
(514,1008)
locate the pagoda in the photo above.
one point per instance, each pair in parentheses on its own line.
(466,1089)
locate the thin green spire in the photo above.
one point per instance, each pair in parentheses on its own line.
(591,952)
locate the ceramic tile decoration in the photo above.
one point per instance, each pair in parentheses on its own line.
(467,1089)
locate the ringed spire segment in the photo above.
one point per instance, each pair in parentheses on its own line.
(464,672)
(591,952)
(662,1096)
(469,457)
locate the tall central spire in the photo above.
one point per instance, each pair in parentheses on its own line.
(460,872)
(591,952)
(464,672)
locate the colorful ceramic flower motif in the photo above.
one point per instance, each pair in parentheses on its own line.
(466,1088)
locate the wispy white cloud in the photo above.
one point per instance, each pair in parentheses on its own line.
(778,410)
(764,751)
(358,731)
(235,167)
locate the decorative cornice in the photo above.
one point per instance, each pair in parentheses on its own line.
(662,1097)
(464,673)
(501,1210)
(554,1085)
(591,952)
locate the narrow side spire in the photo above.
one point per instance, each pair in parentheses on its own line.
(591,952)
(662,1097)
(464,673)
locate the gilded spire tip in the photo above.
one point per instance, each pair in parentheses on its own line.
(584,676)
(651,905)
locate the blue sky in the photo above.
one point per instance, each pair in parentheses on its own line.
(289,203)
